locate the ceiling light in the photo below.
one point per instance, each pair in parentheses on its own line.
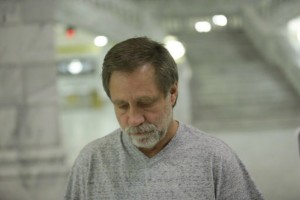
(219,20)
(202,26)
(100,41)
(175,47)
(75,67)
(293,28)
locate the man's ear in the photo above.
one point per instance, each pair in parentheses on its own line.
(174,93)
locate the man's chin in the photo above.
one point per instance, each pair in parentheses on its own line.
(143,143)
(137,134)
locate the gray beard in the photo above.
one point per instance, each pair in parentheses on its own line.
(146,135)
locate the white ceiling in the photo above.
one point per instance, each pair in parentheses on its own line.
(122,19)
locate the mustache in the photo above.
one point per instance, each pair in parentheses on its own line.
(144,128)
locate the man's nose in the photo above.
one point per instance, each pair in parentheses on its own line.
(135,117)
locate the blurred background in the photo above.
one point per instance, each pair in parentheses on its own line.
(239,69)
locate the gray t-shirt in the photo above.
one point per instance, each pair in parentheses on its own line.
(193,165)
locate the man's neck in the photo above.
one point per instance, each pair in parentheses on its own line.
(162,143)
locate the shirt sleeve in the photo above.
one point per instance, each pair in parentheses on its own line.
(232,180)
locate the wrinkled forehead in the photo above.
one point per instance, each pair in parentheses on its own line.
(146,68)
(139,83)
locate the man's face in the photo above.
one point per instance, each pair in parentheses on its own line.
(142,110)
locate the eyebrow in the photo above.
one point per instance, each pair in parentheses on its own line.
(147,99)
(118,102)
(139,99)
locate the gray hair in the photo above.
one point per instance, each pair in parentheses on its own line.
(133,53)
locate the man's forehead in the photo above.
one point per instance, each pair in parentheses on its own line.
(145,67)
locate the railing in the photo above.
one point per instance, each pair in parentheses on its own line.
(269,36)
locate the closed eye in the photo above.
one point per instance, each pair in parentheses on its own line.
(123,106)
(120,104)
(145,104)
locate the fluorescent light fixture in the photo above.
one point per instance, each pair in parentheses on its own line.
(219,20)
(293,27)
(202,26)
(175,47)
(100,41)
(75,67)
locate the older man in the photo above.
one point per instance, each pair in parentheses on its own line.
(151,155)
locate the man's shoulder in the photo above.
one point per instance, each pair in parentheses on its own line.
(203,140)
(198,135)
(105,141)
(108,143)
